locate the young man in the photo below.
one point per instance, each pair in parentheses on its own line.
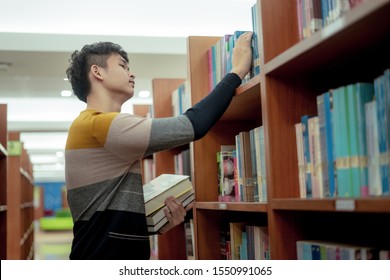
(104,148)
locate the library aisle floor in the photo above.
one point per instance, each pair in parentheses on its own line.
(52,245)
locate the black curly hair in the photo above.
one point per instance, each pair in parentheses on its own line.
(81,61)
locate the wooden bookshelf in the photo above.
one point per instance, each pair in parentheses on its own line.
(293,73)
(171,245)
(3,181)
(352,49)
(20,205)
(209,215)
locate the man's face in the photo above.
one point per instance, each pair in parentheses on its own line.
(118,79)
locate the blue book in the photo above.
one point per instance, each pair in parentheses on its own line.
(244,247)
(324,109)
(307,253)
(380,96)
(364,94)
(353,155)
(324,4)
(341,142)
(315,251)
(306,153)
(255,42)
(387,98)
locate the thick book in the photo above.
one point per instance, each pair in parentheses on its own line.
(157,219)
(324,108)
(159,214)
(374,180)
(225,162)
(157,190)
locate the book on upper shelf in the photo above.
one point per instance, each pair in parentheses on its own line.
(158,189)
(157,219)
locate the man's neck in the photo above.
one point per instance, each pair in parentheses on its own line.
(102,103)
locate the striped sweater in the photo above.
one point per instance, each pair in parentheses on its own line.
(103,172)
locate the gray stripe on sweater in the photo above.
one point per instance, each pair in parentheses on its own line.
(168,133)
(123,193)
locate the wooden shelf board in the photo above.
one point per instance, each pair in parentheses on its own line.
(24,173)
(3,151)
(246,103)
(233,206)
(29,231)
(360,27)
(29,204)
(373,205)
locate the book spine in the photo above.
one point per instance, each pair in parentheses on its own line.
(254,166)
(306,152)
(353,140)
(341,142)
(374,182)
(365,93)
(380,96)
(301,165)
(313,159)
(258,164)
(263,166)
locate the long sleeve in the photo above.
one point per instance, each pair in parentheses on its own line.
(207,112)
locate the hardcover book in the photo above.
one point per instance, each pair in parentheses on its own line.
(157,190)
(157,219)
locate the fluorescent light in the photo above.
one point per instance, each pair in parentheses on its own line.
(66,93)
(144,93)
(59,154)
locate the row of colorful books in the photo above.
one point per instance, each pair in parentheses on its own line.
(242,169)
(313,15)
(321,250)
(344,151)
(220,55)
(181,99)
(241,241)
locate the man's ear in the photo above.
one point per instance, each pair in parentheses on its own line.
(95,71)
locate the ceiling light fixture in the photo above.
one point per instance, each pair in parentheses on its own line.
(59,154)
(66,93)
(144,93)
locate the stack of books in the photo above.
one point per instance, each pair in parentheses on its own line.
(157,190)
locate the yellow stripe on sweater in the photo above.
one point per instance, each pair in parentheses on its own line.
(89,130)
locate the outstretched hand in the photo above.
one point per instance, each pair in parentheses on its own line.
(242,55)
(175,213)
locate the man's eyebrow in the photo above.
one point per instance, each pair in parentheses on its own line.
(123,60)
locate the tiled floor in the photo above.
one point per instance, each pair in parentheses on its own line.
(52,245)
